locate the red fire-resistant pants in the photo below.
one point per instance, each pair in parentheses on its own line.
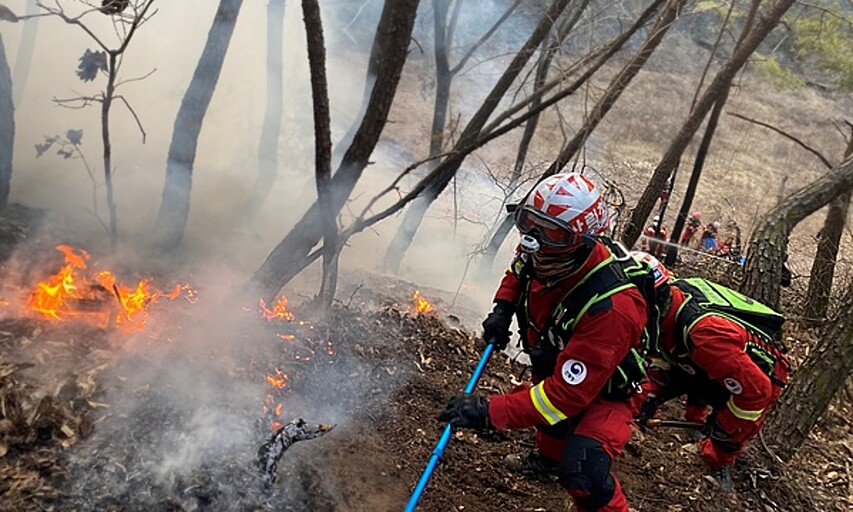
(605,421)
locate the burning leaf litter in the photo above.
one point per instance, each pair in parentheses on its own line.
(75,292)
(421,304)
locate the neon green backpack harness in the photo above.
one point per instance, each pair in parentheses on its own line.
(705,298)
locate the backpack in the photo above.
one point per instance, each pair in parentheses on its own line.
(703,297)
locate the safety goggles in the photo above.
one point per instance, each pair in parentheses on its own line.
(549,231)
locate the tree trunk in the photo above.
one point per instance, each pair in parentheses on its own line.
(443,78)
(271,130)
(108,147)
(816,382)
(672,156)
(322,145)
(415,213)
(175,208)
(392,43)
(618,85)
(7,127)
(24,59)
(829,240)
(693,184)
(768,246)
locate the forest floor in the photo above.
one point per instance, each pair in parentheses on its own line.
(82,427)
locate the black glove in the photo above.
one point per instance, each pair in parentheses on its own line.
(468,411)
(647,412)
(718,436)
(496,325)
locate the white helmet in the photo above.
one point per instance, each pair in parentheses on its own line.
(661,273)
(561,209)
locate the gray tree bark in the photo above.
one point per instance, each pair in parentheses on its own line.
(768,246)
(829,240)
(721,81)
(175,207)
(815,383)
(7,127)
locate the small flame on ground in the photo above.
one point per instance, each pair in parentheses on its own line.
(278,311)
(279,380)
(421,304)
(287,337)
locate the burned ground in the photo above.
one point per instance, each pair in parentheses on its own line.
(92,421)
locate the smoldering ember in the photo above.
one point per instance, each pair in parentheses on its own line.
(363,255)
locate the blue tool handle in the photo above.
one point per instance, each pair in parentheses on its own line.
(438,451)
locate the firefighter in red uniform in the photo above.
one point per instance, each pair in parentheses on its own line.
(717,359)
(581,323)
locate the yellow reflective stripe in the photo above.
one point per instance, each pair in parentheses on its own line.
(743,414)
(540,400)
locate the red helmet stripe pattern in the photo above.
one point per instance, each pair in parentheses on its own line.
(573,199)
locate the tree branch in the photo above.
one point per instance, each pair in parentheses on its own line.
(787,135)
(136,117)
(489,33)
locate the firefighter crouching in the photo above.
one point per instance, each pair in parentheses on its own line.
(582,318)
(723,350)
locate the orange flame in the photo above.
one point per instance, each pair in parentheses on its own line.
(421,304)
(101,299)
(279,380)
(278,312)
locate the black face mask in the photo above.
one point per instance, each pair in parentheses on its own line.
(556,266)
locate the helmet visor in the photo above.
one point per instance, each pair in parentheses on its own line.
(549,231)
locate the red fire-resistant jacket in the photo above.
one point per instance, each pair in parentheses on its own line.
(601,338)
(718,349)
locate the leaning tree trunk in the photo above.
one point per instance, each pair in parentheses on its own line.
(7,127)
(768,246)
(672,156)
(823,267)
(271,130)
(391,43)
(175,208)
(816,382)
(415,213)
(829,240)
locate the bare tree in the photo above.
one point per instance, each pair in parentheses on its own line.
(768,246)
(444,29)
(7,127)
(721,81)
(175,207)
(707,137)
(322,145)
(543,66)
(619,83)
(391,43)
(816,382)
(415,213)
(271,130)
(107,61)
(828,243)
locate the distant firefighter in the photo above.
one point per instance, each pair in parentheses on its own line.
(111,7)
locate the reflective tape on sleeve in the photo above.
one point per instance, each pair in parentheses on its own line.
(540,400)
(743,414)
